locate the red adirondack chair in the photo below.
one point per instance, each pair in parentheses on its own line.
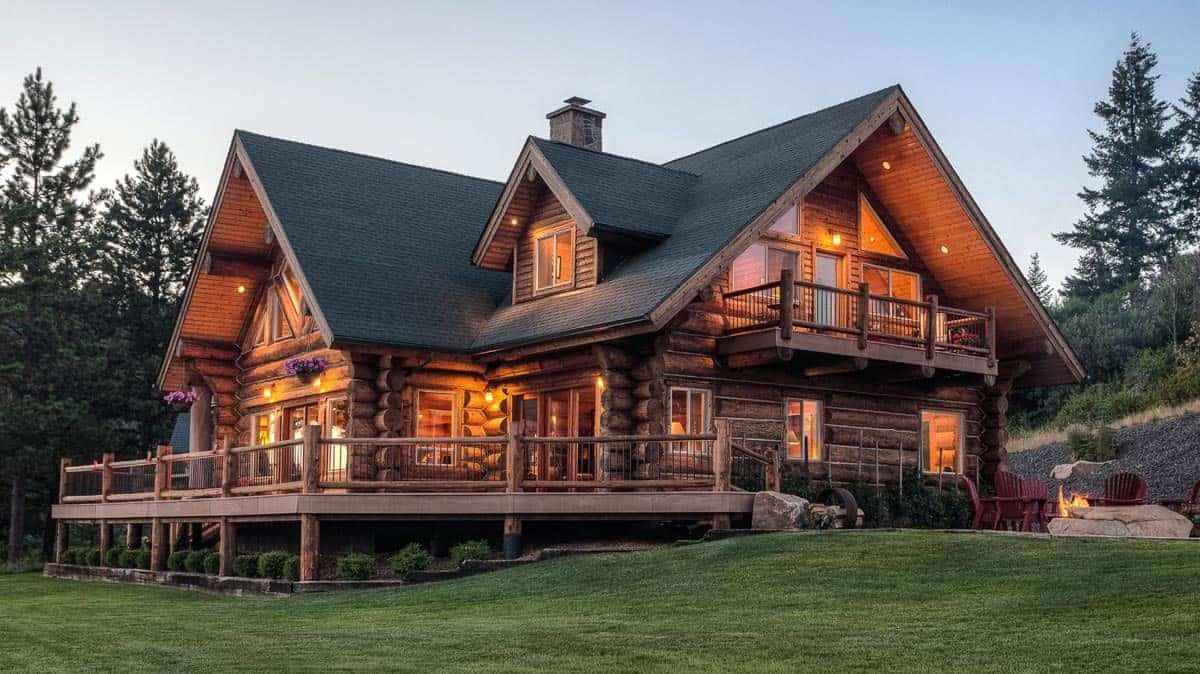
(1010,504)
(1036,495)
(1188,506)
(981,506)
(1122,489)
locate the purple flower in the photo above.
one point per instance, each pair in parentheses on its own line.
(180,397)
(303,366)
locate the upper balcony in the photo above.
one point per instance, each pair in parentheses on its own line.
(768,322)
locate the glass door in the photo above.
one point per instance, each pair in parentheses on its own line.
(942,438)
(826,272)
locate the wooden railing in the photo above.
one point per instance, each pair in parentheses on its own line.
(789,305)
(510,463)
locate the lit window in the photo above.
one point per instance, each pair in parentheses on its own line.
(337,417)
(264,429)
(873,235)
(554,258)
(435,419)
(892,283)
(788,223)
(804,430)
(689,411)
(761,264)
(941,441)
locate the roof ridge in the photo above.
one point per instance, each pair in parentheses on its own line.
(618,156)
(779,124)
(367,156)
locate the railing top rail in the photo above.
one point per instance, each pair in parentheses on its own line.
(751,289)
(480,440)
(761,458)
(86,468)
(190,456)
(621,438)
(270,445)
(962,312)
(131,463)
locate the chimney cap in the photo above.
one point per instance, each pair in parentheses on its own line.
(576,103)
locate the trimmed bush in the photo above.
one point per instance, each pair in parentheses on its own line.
(291,568)
(129,558)
(175,560)
(470,550)
(70,555)
(924,506)
(194,562)
(411,557)
(246,566)
(141,558)
(356,567)
(212,563)
(270,564)
(112,556)
(90,557)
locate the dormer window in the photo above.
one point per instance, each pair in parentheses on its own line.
(554,258)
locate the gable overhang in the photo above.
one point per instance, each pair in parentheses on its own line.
(898,113)
(499,237)
(234,253)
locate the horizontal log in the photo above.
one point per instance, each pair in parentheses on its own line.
(215,368)
(276,369)
(651,388)
(360,391)
(649,409)
(391,380)
(189,349)
(388,419)
(617,399)
(282,350)
(477,399)
(701,321)
(688,342)
(496,426)
(749,409)
(611,357)
(474,417)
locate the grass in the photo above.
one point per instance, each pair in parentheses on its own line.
(1020,442)
(830,602)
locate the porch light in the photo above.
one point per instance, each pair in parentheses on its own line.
(599,382)
(267,393)
(241,290)
(513,221)
(487,396)
(945,248)
(887,166)
(317,383)
(836,238)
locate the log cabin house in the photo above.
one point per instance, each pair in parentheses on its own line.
(595,337)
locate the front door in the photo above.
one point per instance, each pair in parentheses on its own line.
(826,272)
(562,413)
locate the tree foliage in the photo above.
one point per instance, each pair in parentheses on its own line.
(1038,281)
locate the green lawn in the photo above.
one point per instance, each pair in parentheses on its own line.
(832,602)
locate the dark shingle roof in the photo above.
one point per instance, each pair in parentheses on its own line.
(735,182)
(181,437)
(385,246)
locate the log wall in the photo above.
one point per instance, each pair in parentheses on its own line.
(548,214)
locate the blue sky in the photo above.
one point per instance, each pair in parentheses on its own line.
(1007,89)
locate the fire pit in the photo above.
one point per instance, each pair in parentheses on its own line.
(1076,517)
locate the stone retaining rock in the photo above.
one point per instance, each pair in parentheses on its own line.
(1146,521)
(773,510)
(1066,471)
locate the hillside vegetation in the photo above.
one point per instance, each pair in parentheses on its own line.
(895,601)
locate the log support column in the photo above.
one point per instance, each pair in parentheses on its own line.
(133,536)
(310,546)
(160,533)
(106,532)
(62,540)
(993,455)
(228,546)
(512,537)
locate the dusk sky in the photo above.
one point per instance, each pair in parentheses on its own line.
(1007,89)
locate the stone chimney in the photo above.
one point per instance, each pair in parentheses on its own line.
(577,125)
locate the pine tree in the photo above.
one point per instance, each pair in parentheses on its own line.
(1038,281)
(1127,230)
(47,246)
(1185,184)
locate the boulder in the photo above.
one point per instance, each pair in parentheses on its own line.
(1144,521)
(831,517)
(773,510)
(1064,471)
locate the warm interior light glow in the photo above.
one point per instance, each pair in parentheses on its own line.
(241,289)
(317,383)
(945,248)
(267,394)
(487,395)
(837,239)
(887,166)
(600,382)
(513,221)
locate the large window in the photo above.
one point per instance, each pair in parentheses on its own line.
(761,264)
(942,441)
(788,223)
(892,283)
(435,419)
(264,428)
(554,258)
(804,430)
(689,411)
(873,235)
(556,414)
(337,418)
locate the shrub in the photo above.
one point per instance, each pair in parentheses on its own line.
(1081,441)
(356,567)
(270,564)
(246,566)
(70,555)
(194,561)
(291,568)
(470,550)
(128,558)
(112,556)
(919,505)
(1092,444)
(141,558)
(90,557)
(411,557)
(1183,385)
(1101,403)
(212,563)
(175,560)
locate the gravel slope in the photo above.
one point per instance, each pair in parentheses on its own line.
(1165,453)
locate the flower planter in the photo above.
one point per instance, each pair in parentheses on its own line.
(304,369)
(306,377)
(181,406)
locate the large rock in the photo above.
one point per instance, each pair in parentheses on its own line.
(831,517)
(1065,471)
(1145,521)
(773,510)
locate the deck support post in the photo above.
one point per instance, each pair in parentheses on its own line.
(62,539)
(227,547)
(512,537)
(721,456)
(133,535)
(864,303)
(159,535)
(310,546)
(991,336)
(513,461)
(162,471)
(106,475)
(787,306)
(310,467)
(195,535)
(227,467)
(106,532)
(931,326)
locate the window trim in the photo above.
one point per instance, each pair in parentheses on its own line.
(454,414)
(893,270)
(864,201)
(820,415)
(767,246)
(960,467)
(796,236)
(553,231)
(708,408)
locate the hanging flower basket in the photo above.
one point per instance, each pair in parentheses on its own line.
(180,401)
(304,369)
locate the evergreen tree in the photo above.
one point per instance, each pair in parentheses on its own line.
(1127,230)
(1185,185)
(47,245)
(1038,282)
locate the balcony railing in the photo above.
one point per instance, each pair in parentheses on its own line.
(800,306)
(313,464)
